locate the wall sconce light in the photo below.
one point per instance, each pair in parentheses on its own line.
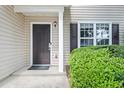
(54,23)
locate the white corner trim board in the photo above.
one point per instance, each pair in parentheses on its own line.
(61,64)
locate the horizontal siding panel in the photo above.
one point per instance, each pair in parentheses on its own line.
(98,15)
(93,11)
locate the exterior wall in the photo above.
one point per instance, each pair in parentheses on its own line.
(12,41)
(15,32)
(55,34)
(114,14)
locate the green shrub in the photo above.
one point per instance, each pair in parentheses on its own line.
(117,51)
(96,67)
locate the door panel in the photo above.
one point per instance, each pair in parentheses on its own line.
(41,39)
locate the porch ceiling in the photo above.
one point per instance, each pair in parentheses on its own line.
(32,10)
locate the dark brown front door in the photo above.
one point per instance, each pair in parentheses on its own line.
(41,40)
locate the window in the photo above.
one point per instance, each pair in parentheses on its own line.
(86,34)
(94,34)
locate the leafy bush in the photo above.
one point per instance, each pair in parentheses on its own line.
(117,51)
(97,67)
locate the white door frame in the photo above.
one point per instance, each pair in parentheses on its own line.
(31,42)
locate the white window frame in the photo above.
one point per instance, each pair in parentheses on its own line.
(94,31)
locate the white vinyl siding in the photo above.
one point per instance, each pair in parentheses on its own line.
(73,14)
(12,41)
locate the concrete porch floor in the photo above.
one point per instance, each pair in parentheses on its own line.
(36,79)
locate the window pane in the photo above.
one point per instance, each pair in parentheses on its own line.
(102,41)
(86,30)
(82,34)
(86,42)
(102,31)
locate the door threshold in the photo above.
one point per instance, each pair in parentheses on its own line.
(41,65)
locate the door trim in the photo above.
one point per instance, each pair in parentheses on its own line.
(31,41)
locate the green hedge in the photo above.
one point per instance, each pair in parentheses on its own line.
(97,67)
